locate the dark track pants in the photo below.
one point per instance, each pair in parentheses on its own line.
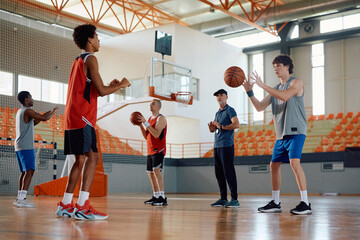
(225,171)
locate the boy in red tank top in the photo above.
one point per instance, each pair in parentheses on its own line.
(85,85)
(155,135)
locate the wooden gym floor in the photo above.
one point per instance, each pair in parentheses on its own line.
(188,216)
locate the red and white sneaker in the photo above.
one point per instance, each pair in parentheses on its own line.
(65,210)
(87,212)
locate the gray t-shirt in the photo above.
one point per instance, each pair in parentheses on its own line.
(24,131)
(289,117)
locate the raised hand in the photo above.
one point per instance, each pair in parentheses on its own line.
(114,82)
(256,77)
(248,85)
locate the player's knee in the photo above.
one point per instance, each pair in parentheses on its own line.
(149,173)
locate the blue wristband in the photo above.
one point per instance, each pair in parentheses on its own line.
(250,93)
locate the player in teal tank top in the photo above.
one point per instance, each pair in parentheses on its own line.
(287,100)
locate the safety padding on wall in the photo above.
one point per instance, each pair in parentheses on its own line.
(57,187)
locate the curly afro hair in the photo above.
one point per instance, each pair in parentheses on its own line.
(82,33)
(285,60)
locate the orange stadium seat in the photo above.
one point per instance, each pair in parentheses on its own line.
(355,120)
(259,133)
(355,133)
(250,134)
(358,127)
(358,114)
(267,151)
(271,122)
(349,141)
(256,152)
(337,141)
(325,141)
(343,133)
(330,116)
(312,118)
(349,115)
(241,134)
(319,149)
(269,132)
(332,134)
(342,148)
(252,139)
(338,128)
(349,127)
(244,146)
(321,117)
(344,121)
(331,148)
(264,145)
(262,139)
(254,146)
(246,152)
(339,115)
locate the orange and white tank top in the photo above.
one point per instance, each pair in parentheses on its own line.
(156,145)
(81,101)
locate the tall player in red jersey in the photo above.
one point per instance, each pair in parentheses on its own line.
(155,135)
(85,85)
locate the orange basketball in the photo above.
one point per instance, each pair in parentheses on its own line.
(134,118)
(234,76)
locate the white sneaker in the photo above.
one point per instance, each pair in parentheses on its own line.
(24,204)
(14,203)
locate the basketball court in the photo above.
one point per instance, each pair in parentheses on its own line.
(188,216)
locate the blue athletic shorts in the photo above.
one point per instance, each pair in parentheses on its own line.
(288,148)
(26,159)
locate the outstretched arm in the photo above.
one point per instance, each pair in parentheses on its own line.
(295,88)
(29,113)
(259,105)
(92,70)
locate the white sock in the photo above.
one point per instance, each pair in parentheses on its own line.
(304,197)
(156,194)
(22,194)
(276,196)
(67,198)
(162,193)
(19,193)
(83,196)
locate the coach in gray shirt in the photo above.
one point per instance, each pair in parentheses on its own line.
(287,102)
(224,124)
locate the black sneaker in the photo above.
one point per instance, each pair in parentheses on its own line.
(150,201)
(302,209)
(160,201)
(220,203)
(271,207)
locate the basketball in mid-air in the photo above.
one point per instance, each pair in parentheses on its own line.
(234,76)
(134,118)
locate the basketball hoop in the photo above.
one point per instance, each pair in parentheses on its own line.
(183,97)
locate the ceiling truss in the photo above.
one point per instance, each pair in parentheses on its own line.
(257,9)
(128,13)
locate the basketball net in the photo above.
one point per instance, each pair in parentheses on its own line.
(183,98)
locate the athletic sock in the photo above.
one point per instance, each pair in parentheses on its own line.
(162,193)
(67,198)
(304,197)
(19,194)
(156,194)
(22,194)
(276,196)
(83,196)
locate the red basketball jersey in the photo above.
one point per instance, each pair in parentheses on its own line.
(156,145)
(81,101)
